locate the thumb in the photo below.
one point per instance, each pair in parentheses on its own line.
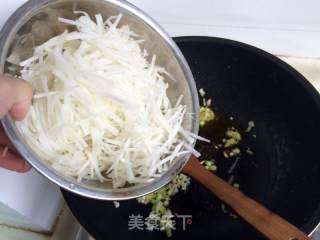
(15,97)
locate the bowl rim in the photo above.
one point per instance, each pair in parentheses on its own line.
(68,183)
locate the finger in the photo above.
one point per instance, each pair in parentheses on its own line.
(15,97)
(4,140)
(12,161)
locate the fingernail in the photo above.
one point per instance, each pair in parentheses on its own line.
(18,111)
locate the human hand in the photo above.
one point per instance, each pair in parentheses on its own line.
(15,99)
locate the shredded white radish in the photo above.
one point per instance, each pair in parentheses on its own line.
(101,110)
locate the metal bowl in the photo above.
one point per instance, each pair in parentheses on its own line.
(36,21)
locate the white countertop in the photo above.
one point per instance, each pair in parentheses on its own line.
(286,27)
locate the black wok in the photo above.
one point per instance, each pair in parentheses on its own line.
(284,172)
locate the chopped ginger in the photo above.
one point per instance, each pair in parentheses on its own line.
(250,126)
(234,137)
(206,115)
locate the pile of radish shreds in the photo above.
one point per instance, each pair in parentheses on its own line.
(100,109)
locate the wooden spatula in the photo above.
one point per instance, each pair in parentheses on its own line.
(269,224)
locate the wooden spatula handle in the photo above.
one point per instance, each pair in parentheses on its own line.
(268,223)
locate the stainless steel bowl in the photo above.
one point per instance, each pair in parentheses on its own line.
(35,22)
